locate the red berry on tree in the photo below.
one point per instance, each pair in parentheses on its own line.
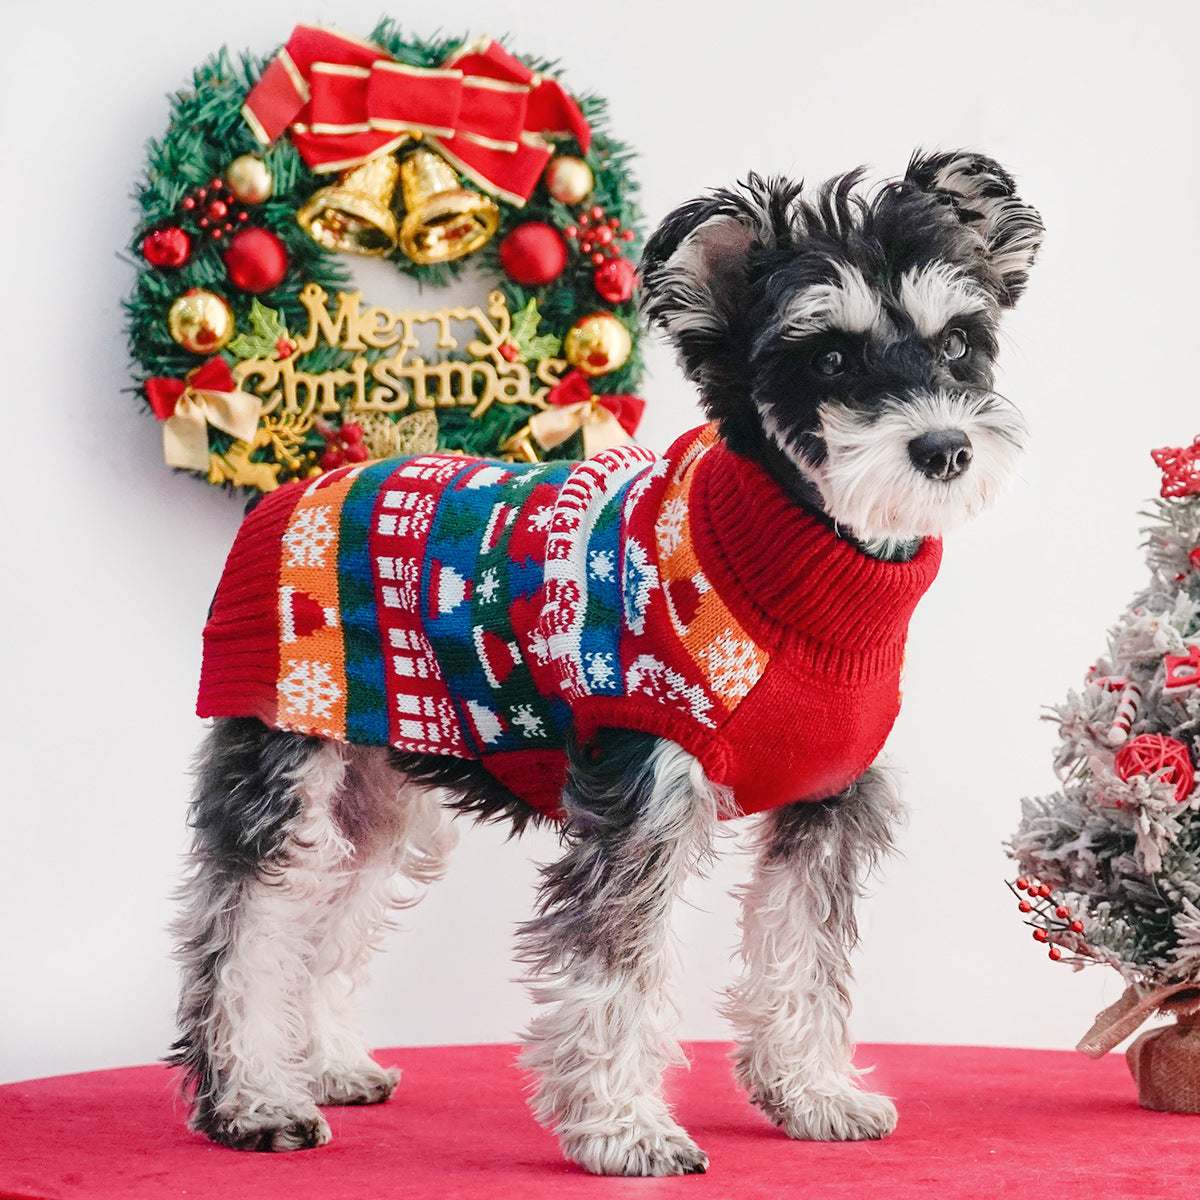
(1022,883)
(1055,953)
(1044,890)
(1040,935)
(1076,926)
(1062,912)
(1025,906)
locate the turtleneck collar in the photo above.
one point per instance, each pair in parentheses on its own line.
(781,568)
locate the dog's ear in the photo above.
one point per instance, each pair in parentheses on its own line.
(984,197)
(695,274)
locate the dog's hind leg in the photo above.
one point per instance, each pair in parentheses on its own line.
(402,836)
(640,813)
(267,858)
(792,1007)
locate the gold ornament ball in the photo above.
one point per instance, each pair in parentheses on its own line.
(598,344)
(250,179)
(201,321)
(569,180)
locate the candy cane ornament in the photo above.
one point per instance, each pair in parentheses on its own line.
(1127,711)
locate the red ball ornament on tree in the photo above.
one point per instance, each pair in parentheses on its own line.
(533,254)
(614,279)
(256,260)
(1150,753)
(167,247)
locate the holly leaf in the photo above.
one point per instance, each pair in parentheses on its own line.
(524,334)
(268,332)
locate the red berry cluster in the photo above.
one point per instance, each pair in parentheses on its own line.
(342,446)
(599,235)
(216,209)
(1048,918)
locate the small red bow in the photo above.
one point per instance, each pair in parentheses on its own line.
(604,421)
(576,388)
(209,395)
(163,392)
(347,100)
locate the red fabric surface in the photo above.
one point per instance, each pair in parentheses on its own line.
(976,1123)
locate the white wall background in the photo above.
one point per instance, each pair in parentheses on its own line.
(109,559)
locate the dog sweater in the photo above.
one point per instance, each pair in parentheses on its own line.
(465,607)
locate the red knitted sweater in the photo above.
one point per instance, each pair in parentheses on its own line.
(455,606)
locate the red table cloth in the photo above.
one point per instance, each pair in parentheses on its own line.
(978,1123)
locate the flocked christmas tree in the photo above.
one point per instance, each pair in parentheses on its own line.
(1111,861)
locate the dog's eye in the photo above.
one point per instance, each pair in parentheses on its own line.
(955,345)
(829,363)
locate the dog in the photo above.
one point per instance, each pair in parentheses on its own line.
(641,647)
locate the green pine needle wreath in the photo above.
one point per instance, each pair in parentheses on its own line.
(207,132)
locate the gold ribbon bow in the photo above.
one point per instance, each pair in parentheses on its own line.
(207,396)
(606,421)
(600,427)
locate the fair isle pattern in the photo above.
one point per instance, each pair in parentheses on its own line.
(421,713)
(499,592)
(312,666)
(476,595)
(581,619)
(727,657)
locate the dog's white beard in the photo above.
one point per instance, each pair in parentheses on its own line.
(870,486)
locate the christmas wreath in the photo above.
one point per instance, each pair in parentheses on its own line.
(254,349)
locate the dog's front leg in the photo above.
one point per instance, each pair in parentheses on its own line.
(792,1007)
(640,812)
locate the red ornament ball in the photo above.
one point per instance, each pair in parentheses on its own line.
(615,279)
(256,260)
(533,254)
(167,247)
(1149,753)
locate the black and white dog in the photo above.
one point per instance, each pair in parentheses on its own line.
(843,342)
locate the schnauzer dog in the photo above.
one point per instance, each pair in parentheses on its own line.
(631,647)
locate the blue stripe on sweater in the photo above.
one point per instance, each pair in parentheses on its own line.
(366,684)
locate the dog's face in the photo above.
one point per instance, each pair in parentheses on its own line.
(846,342)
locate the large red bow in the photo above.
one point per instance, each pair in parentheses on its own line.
(346,100)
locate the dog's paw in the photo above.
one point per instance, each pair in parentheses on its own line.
(269,1129)
(842,1114)
(668,1152)
(366,1084)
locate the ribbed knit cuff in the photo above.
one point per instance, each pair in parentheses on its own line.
(776,564)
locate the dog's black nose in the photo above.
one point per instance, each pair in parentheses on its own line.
(943,455)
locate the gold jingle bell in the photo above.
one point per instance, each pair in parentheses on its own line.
(355,214)
(444,220)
